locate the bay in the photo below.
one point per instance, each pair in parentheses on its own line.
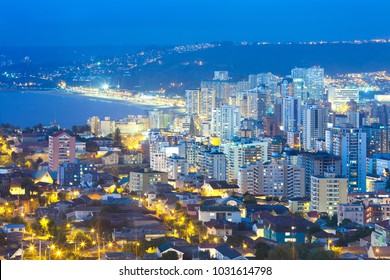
(26,109)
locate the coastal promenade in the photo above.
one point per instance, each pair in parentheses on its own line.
(122,95)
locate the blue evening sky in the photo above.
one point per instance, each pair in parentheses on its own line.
(118,22)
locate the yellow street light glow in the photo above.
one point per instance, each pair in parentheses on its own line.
(31,248)
(92,230)
(52,246)
(82,244)
(58,253)
(110,244)
(215,239)
(93,242)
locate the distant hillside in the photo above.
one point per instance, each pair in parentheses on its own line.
(241,61)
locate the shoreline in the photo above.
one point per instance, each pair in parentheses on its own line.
(68,92)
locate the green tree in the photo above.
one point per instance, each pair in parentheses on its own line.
(262,251)
(236,240)
(3,239)
(118,137)
(37,163)
(81,128)
(27,184)
(170,255)
(249,199)
(323,255)
(17,220)
(101,224)
(80,237)
(92,147)
(311,230)
(204,255)
(345,222)
(283,252)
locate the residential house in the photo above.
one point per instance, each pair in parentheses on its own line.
(258,228)
(141,179)
(83,213)
(44,176)
(218,188)
(299,205)
(134,158)
(324,237)
(354,212)
(210,248)
(224,252)
(380,237)
(284,229)
(224,213)
(165,248)
(11,228)
(119,256)
(110,158)
(220,228)
(382,253)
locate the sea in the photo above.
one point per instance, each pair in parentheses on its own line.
(26,109)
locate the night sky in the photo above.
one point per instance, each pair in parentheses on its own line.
(119,22)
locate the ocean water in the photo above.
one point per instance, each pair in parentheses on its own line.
(26,109)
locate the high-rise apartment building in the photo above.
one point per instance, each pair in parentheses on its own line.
(291,114)
(243,151)
(351,145)
(327,192)
(316,82)
(200,102)
(62,148)
(225,122)
(314,121)
(272,179)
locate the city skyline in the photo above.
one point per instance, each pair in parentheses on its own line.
(195,130)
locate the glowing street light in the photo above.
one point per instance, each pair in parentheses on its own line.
(58,253)
(105,86)
(31,248)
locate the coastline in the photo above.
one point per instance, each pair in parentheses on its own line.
(148,105)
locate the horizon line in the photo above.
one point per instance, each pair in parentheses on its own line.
(242,43)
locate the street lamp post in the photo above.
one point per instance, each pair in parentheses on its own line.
(51,247)
(136,250)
